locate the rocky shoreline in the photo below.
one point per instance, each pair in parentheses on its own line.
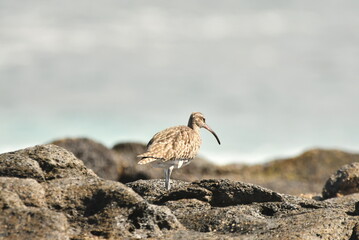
(49,193)
(306,173)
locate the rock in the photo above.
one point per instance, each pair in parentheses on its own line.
(226,193)
(217,192)
(42,162)
(28,191)
(344,181)
(24,209)
(47,193)
(33,223)
(199,168)
(155,192)
(94,155)
(246,211)
(130,150)
(300,174)
(9,199)
(19,164)
(127,160)
(107,209)
(355,235)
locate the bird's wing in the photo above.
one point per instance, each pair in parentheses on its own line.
(172,143)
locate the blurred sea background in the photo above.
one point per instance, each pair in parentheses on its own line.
(273,78)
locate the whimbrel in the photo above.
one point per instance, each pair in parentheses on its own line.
(175,147)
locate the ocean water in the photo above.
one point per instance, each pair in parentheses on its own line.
(272,78)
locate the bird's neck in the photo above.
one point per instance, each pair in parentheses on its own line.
(192,125)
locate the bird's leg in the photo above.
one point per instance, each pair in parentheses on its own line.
(165,170)
(168,172)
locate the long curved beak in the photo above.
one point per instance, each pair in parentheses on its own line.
(214,134)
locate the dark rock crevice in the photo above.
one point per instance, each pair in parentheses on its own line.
(188,193)
(355,232)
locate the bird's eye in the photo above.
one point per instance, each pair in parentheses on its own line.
(204,120)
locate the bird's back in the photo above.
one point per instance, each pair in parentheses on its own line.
(173,143)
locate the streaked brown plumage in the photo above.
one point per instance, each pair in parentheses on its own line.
(176,146)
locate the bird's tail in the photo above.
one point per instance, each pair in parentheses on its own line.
(145,159)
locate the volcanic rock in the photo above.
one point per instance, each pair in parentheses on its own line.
(47,193)
(245,211)
(127,159)
(305,173)
(344,181)
(43,162)
(95,156)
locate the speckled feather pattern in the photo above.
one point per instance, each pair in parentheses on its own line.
(176,146)
(175,143)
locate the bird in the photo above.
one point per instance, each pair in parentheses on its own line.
(175,147)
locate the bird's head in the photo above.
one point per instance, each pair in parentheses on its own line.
(198,120)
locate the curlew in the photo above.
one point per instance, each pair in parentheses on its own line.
(175,147)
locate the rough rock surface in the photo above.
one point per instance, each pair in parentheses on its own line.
(42,163)
(218,193)
(223,209)
(301,174)
(344,181)
(94,155)
(131,171)
(47,193)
